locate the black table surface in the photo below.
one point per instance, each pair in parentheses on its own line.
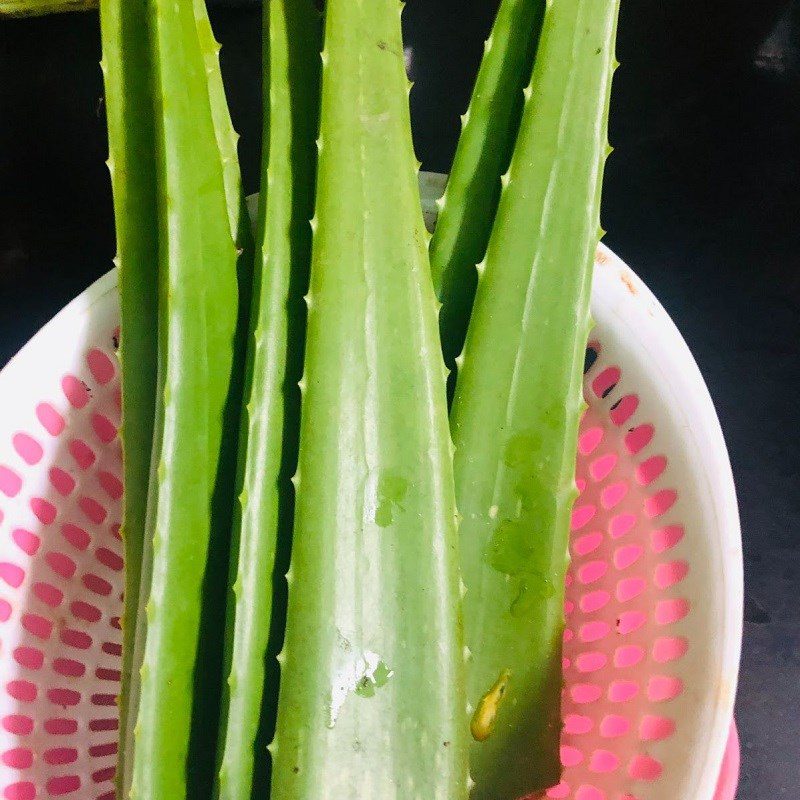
(702,198)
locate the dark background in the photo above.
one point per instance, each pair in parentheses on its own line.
(702,198)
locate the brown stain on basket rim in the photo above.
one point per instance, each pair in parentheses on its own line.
(629,284)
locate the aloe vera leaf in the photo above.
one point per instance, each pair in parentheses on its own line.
(197,326)
(518,401)
(228,143)
(38,8)
(292,40)
(209,682)
(129,91)
(489,130)
(129,102)
(227,137)
(371,701)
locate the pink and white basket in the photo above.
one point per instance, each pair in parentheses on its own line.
(654,597)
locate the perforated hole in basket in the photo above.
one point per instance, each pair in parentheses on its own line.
(61,581)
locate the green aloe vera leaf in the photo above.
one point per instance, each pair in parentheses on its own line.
(371,701)
(210,680)
(519,399)
(125,30)
(228,143)
(129,100)
(198,315)
(39,8)
(227,138)
(489,130)
(292,40)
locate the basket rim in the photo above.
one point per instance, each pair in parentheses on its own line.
(622,301)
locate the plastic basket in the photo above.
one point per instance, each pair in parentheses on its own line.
(654,596)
